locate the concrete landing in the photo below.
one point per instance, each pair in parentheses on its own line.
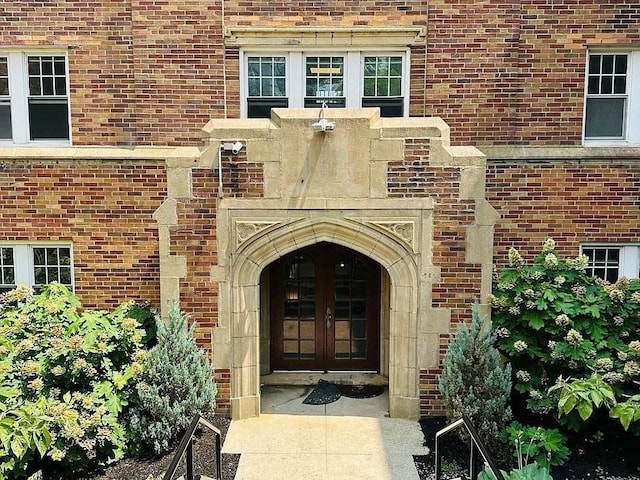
(348,439)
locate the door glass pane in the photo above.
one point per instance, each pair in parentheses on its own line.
(307,349)
(342,349)
(358,329)
(342,330)
(308,329)
(290,329)
(359,349)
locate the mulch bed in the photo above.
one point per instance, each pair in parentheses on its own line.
(136,468)
(615,458)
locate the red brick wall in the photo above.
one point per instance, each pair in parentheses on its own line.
(104,208)
(141,71)
(513,71)
(591,201)
(155,71)
(460,281)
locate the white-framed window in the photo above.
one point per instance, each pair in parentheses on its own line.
(34,98)
(612,261)
(35,265)
(296,79)
(612,98)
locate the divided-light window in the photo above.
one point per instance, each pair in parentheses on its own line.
(34,98)
(35,265)
(611,262)
(350,79)
(612,103)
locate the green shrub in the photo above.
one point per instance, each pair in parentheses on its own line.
(533,471)
(66,375)
(145,314)
(473,383)
(177,384)
(546,447)
(554,321)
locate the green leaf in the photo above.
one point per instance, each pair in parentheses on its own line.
(585,410)
(567,403)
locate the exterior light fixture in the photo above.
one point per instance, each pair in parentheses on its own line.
(323,125)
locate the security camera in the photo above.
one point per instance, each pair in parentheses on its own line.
(324,125)
(236,147)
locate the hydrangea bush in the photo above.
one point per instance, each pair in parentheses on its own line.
(65,376)
(554,322)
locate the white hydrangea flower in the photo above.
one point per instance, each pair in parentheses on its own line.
(563,320)
(573,337)
(520,345)
(515,259)
(550,260)
(523,376)
(632,368)
(604,364)
(503,332)
(549,245)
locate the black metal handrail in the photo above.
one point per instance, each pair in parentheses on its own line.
(186,445)
(474,444)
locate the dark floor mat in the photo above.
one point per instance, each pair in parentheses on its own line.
(325,392)
(361,391)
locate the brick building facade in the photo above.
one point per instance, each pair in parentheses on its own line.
(117,120)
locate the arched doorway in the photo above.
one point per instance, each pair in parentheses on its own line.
(325,310)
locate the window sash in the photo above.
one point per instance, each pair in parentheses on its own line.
(36,265)
(35,109)
(332,82)
(612,261)
(612,98)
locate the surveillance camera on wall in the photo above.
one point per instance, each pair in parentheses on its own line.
(232,147)
(324,125)
(236,148)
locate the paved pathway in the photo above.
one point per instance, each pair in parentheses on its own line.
(327,442)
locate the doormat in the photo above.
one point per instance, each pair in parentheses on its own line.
(361,391)
(325,392)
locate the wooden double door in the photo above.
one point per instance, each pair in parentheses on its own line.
(325,310)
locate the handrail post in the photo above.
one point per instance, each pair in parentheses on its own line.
(190,460)
(186,447)
(476,446)
(218,457)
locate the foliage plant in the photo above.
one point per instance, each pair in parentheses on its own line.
(553,321)
(473,383)
(532,471)
(66,375)
(546,447)
(628,412)
(177,383)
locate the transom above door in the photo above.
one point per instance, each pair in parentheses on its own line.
(325,310)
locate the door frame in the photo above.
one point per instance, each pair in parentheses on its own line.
(253,234)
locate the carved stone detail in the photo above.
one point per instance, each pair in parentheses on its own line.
(401,230)
(248,229)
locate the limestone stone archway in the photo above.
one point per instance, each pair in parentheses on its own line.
(366,232)
(393,189)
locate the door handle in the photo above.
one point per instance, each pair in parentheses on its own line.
(328,317)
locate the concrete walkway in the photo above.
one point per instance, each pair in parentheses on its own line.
(347,439)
